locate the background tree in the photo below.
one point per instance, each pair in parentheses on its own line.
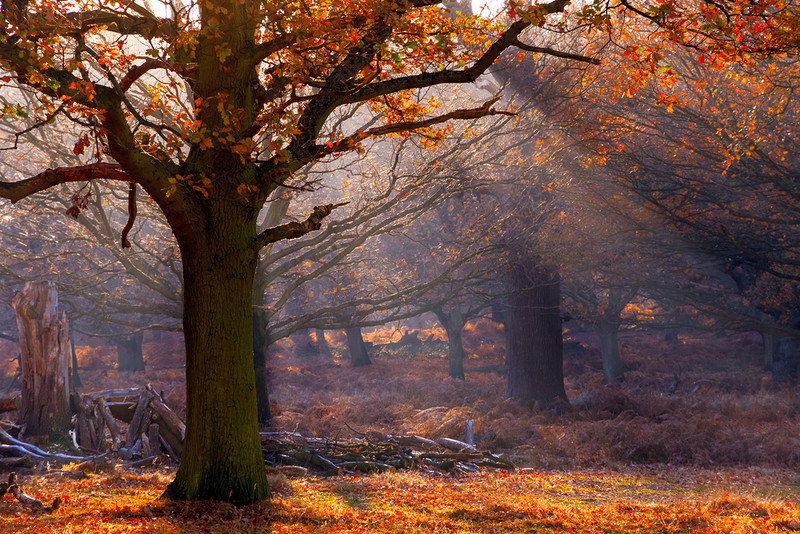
(712,161)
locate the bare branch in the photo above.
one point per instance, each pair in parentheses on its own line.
(124,24)
(468,75)
(16,191)
(131,216)
(350,142)
(149,64)
(295,229)
(556,53)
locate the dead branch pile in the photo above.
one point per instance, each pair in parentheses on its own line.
(152,426)
(152,430)
(371,453)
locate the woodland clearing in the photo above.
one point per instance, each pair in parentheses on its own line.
(696,439)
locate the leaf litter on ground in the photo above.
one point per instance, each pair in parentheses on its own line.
(653,499)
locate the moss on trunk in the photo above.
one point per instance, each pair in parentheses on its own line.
(222,456)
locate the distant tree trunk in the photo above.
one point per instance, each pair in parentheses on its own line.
(76,379)
(535,351)
(129,352)
(323,348)
(499,311)
(45,360)
(500,316)
(277,210)
(359,356)
(260,345)
(608,330)
(453,323)
(304,346)
(770,342)
(671,335)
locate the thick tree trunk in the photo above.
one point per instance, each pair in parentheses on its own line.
(453,323)
(129,352)
(608,330)
(535,351)
(260,345)
(359,357)
(222,456)
(45,362)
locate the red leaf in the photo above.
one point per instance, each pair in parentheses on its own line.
(80,145)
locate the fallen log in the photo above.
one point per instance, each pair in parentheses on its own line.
(414,441)
(154,429)
(126,395)
(5,438)
(134,429)
(455,445)
(366,467)
(111,423)
(82,429)
(375,453)
(12,462)
(16,450)
(170,425)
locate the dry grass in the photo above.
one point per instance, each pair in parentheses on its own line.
(704,402)
(714,451)
(701,402)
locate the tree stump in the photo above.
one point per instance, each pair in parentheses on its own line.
(46,365)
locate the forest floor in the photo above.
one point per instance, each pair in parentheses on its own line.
(697,439)
(662,499)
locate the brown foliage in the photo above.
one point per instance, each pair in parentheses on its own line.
(703,401)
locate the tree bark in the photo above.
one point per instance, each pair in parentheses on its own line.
(46,364)
(129,352)
(453,323)
(260,346)
(323,347)
(607,330)
(770,341)
(76,378)
(222,456)
(359,357)
(535,352)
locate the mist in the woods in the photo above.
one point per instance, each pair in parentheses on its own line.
(591,265)
(584,270)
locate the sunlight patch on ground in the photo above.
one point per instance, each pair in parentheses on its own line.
(664,500)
